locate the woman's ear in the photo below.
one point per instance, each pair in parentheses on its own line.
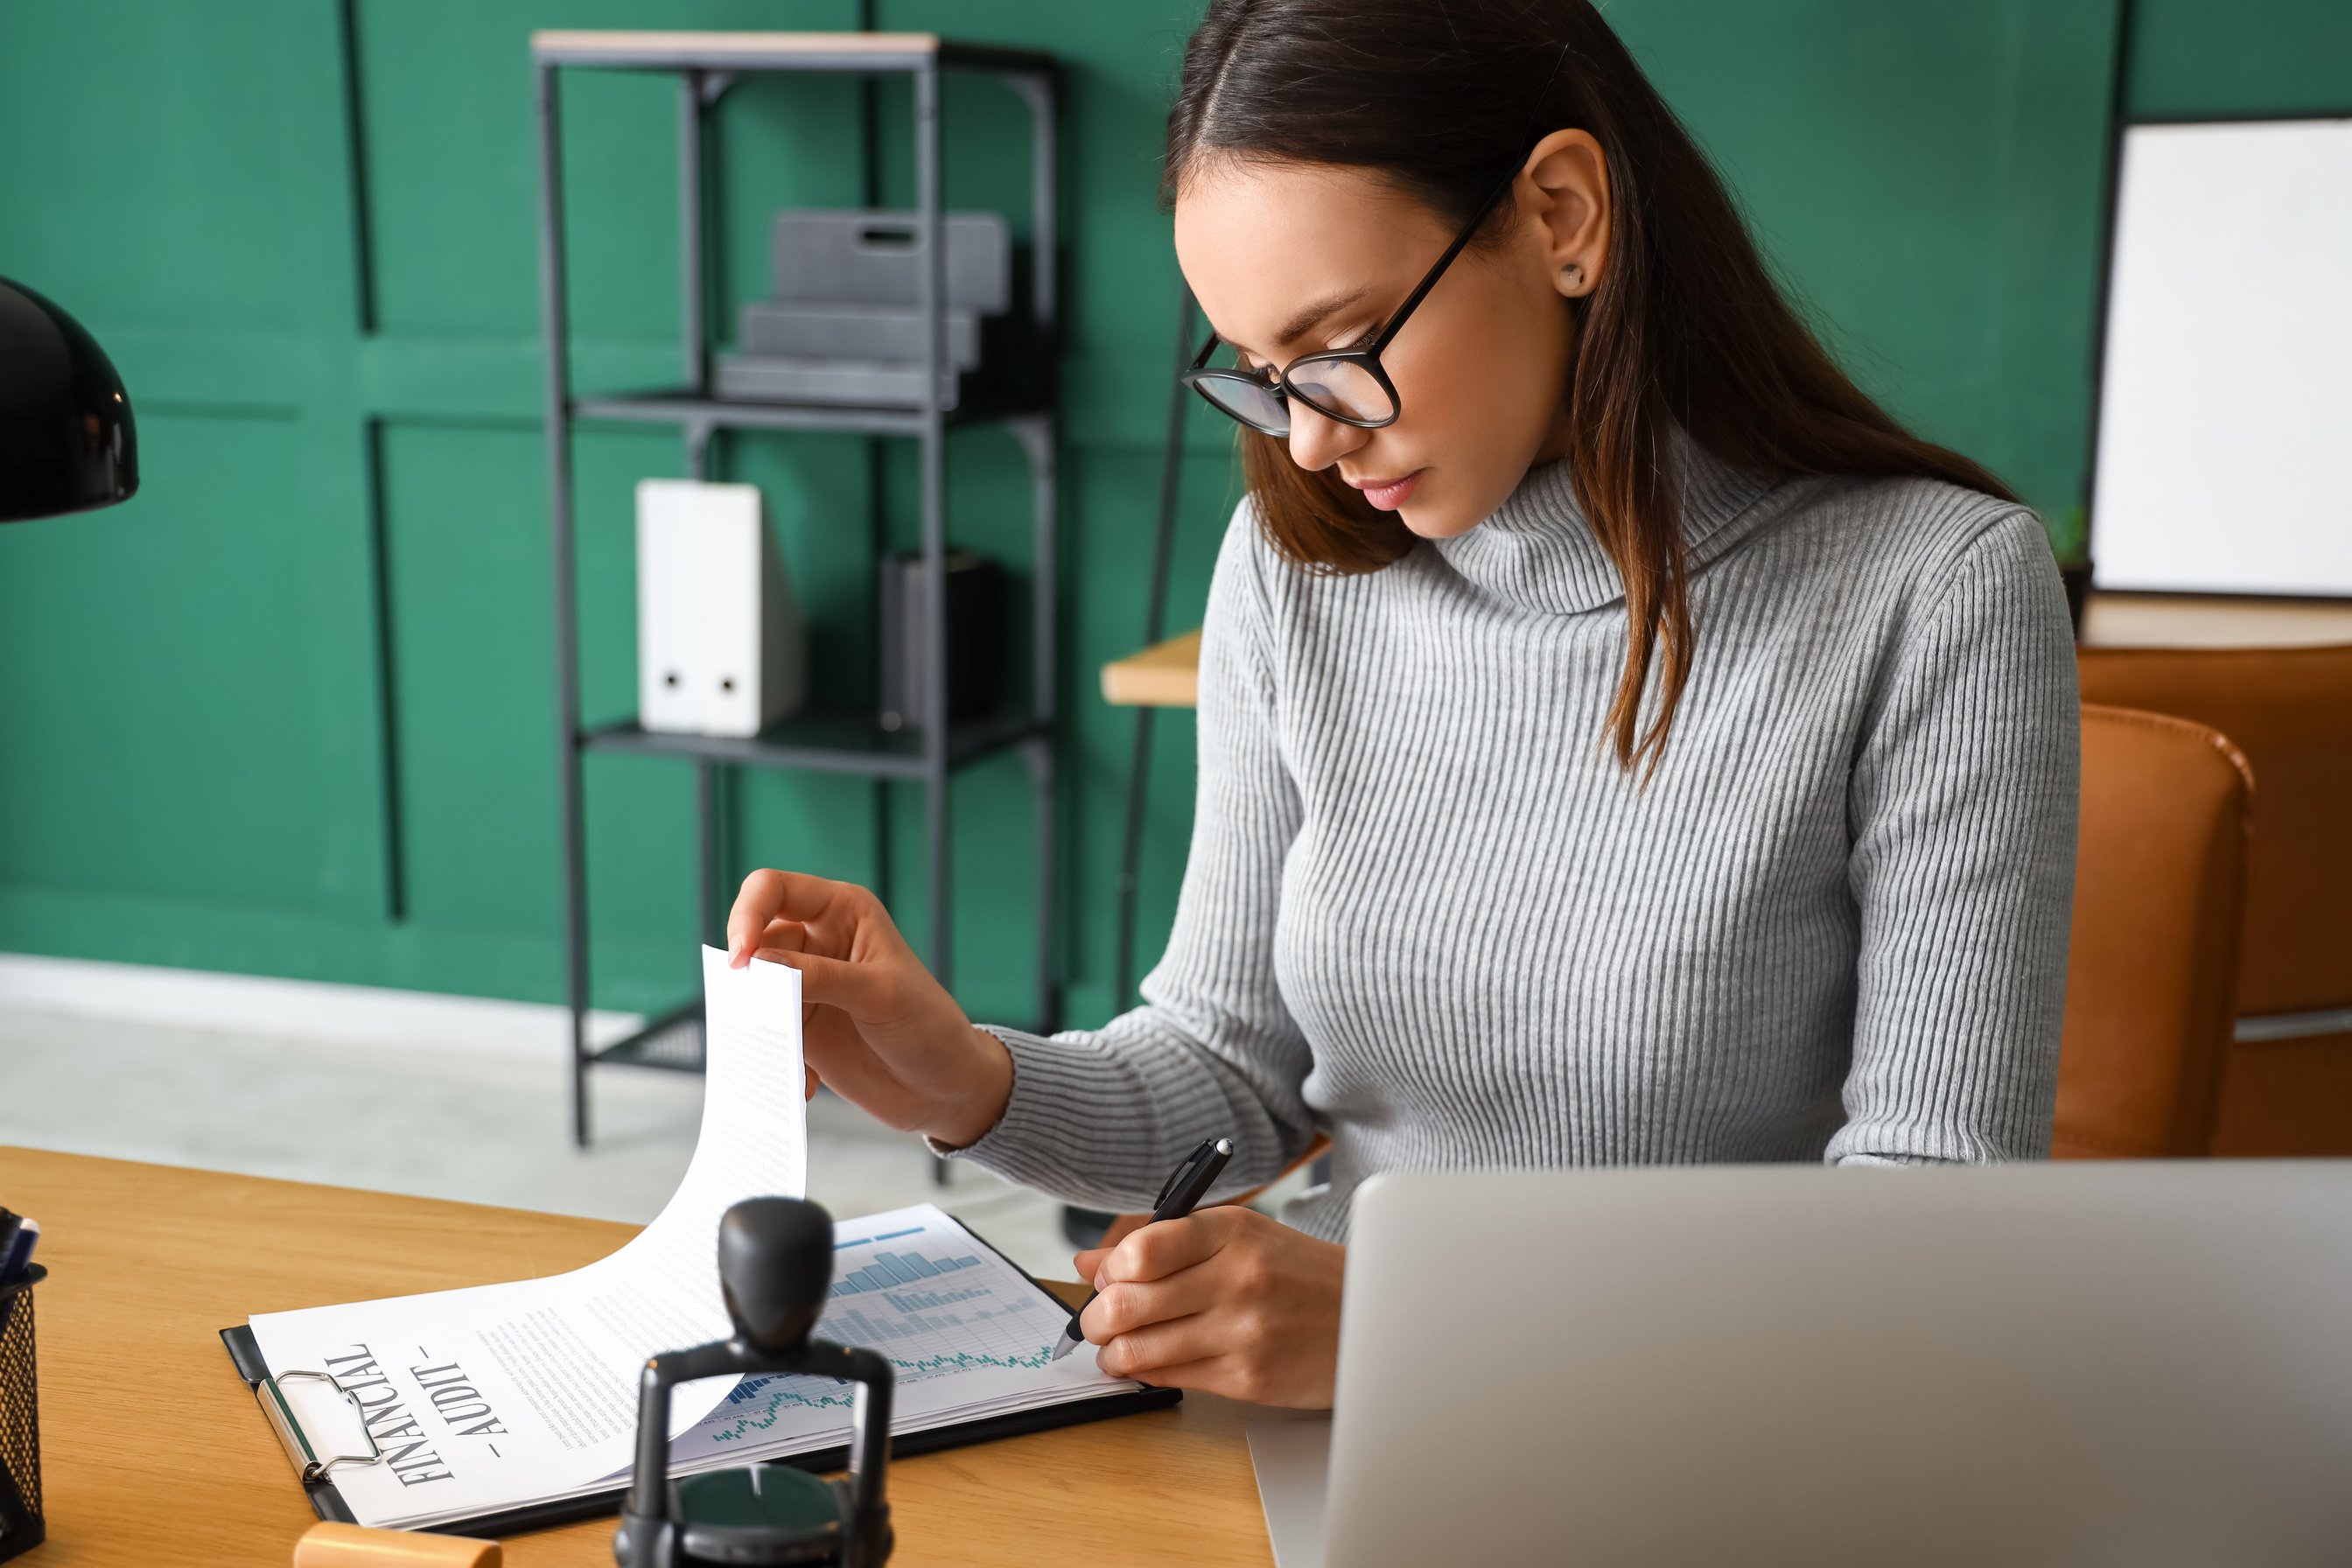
(1570,175)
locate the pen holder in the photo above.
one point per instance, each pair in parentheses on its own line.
(21,1529)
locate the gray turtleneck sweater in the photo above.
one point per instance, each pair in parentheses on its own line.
(1426,913)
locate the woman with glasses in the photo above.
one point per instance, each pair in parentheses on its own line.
(1620,741)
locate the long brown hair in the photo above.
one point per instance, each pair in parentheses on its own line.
(1686,325)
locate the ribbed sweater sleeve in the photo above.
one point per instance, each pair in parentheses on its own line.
(1963,807)
(1101,1117)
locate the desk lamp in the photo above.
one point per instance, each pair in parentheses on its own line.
(775,1263)
(65,444)
(66,438)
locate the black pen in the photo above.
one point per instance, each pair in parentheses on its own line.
(1187,1187)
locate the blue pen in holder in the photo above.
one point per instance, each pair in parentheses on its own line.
(21,1529)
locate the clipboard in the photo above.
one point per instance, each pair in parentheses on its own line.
(314,1469)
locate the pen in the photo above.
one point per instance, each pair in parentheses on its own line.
(1190,1183)
(19,1251)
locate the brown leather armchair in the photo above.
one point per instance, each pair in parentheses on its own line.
(2287,1085)
(2152,962)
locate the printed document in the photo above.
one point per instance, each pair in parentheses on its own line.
(497,1395)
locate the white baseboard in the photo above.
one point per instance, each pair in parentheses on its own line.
(368,1016)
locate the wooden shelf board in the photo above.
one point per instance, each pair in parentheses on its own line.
(578,45)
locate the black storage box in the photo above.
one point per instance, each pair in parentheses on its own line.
(975,618)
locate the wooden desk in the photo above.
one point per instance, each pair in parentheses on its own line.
(153,1454)
(2181,620)
(1166,675)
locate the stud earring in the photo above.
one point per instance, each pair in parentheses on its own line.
(1574,273)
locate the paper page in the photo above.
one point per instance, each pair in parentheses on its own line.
(483,1397)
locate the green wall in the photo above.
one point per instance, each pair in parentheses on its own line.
(2194,59)
(289,711)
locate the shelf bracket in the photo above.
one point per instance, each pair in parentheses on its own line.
(1035,89)
(1037,758)
(1035,434)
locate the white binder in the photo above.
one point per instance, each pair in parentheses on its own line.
(722,648)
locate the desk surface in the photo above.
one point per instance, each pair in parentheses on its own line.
(2182,620)
(1166,675)
(147,1263)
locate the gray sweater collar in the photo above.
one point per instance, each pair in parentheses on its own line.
(1537,551)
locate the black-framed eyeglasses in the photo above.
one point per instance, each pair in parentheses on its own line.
(1345,385)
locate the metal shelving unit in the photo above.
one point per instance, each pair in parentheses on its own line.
(833,741)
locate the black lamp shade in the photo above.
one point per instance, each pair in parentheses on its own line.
(65,437)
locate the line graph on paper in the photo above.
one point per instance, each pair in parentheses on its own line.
(931,1299)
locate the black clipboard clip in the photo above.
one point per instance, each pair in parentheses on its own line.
(305,1458)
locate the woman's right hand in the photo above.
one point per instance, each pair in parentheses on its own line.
(875,1025)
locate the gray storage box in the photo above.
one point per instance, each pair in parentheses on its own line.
(871,258)
(857,384)
(848,331)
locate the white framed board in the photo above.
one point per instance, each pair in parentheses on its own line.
(2225,412)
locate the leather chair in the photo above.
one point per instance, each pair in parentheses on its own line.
(2286,1087)
(2152,960)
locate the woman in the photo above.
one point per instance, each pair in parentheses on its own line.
(1619,739)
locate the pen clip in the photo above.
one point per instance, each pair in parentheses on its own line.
(1191,1162)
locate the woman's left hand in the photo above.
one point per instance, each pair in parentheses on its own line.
(1225,1301)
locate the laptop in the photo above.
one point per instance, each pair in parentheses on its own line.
(2140,1364)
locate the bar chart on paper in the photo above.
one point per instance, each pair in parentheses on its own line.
(917,1287)
(895,1271)
(933,1309)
